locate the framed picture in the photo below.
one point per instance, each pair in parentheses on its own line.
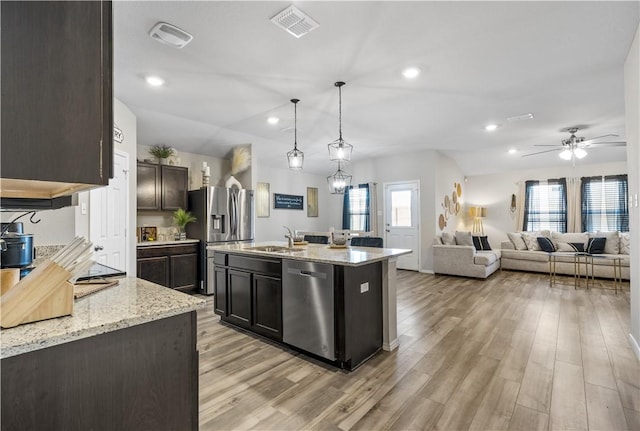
(262,200)
(289,202)
(312,202)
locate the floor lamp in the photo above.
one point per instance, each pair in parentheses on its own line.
(478,213)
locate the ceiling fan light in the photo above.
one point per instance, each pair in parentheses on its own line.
(565,154)
(580,153)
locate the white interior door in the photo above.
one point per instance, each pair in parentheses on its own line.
(401,215)
(109,215)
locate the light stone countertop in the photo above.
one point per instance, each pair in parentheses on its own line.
(350,256)
(179,242)
(132,302)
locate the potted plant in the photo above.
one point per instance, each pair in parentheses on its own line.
(182,218)
(161,152)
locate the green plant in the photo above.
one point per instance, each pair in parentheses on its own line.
(161,151)
(182,218)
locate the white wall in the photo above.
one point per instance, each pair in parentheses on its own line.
(447,174)
(56,227)
(494,193)
(286,181)
(406,167)
(632,104)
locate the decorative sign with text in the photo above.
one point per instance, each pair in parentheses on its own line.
(289,202)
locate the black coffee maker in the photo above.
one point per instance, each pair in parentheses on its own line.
(16,248)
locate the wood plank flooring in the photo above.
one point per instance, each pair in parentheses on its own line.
(507,353)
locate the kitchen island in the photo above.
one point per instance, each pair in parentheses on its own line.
(348,303)
(125,359)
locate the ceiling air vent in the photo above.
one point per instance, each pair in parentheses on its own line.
(170,34)
(294,21)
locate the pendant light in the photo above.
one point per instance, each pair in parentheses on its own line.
(339,150)
(295,156)
(339,181)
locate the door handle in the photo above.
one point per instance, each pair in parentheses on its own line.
(98,248)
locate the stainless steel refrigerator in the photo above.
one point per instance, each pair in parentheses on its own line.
(223,215)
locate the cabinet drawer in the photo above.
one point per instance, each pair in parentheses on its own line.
(167,250)
(266,266)
(220,258)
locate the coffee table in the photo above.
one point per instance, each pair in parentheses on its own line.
(617,269)
(579,259)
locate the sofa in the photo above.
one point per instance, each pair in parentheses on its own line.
(523,252)
(457,255)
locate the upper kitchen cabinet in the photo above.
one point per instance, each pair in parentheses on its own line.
(162,187)
(57,97)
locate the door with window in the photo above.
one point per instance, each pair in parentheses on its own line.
(401,215)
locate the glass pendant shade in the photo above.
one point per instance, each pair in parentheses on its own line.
(340,150)
(295,157)
(339,181)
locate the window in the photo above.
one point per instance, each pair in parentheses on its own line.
(355,215)
(545,206)
(401,208)
(604,203)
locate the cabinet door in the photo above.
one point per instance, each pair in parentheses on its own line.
(154,269)
(175,182)
(267,306)
(220,291)
(148,193)
(239,298)
(57,80)
(184,271)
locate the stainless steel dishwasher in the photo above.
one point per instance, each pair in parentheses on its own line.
(308,320)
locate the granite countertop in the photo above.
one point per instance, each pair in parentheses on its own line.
(132,302)
(349,256)
(182,241)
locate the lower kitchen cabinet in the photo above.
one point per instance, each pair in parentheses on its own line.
(248,293)
(174,266)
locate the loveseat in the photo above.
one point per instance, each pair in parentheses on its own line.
(457,255)
(523,252)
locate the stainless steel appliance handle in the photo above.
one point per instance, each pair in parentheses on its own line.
(304,273)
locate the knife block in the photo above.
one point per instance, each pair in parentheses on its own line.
(45,293)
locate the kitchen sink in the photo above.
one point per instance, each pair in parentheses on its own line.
(274,248)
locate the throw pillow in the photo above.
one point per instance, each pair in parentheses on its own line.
(612,244)
(625,243)
(569,246)
(481,243)
(569,238)
(516,240)
(464,238)
(531,241)
(448,238)
(596,245)
(546,244)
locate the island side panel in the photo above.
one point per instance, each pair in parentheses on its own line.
(141,377)
(389,305)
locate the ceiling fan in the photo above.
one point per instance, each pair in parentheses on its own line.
(575,146)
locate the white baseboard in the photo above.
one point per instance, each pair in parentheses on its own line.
(390,347)
(634,346)
(426,271)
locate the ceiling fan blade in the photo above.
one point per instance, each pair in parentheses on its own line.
(606,144)
(541,152)
(546,145)
(598,137)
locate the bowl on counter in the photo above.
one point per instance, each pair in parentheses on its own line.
(339,241)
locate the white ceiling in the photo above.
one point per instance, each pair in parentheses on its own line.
(481,62)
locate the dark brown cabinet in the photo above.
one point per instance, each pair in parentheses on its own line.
(57,90)
(174,266)
(248,293)
(162,187)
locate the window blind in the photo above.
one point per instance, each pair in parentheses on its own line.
(545,206)
(356,208)
(605,203)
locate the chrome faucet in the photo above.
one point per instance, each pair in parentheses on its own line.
(290,236)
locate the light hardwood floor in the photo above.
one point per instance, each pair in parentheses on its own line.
(507,353)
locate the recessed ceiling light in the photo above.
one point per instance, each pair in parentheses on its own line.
(512,151)
(490,127)
(411,72)
(273,120)
(154,81)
